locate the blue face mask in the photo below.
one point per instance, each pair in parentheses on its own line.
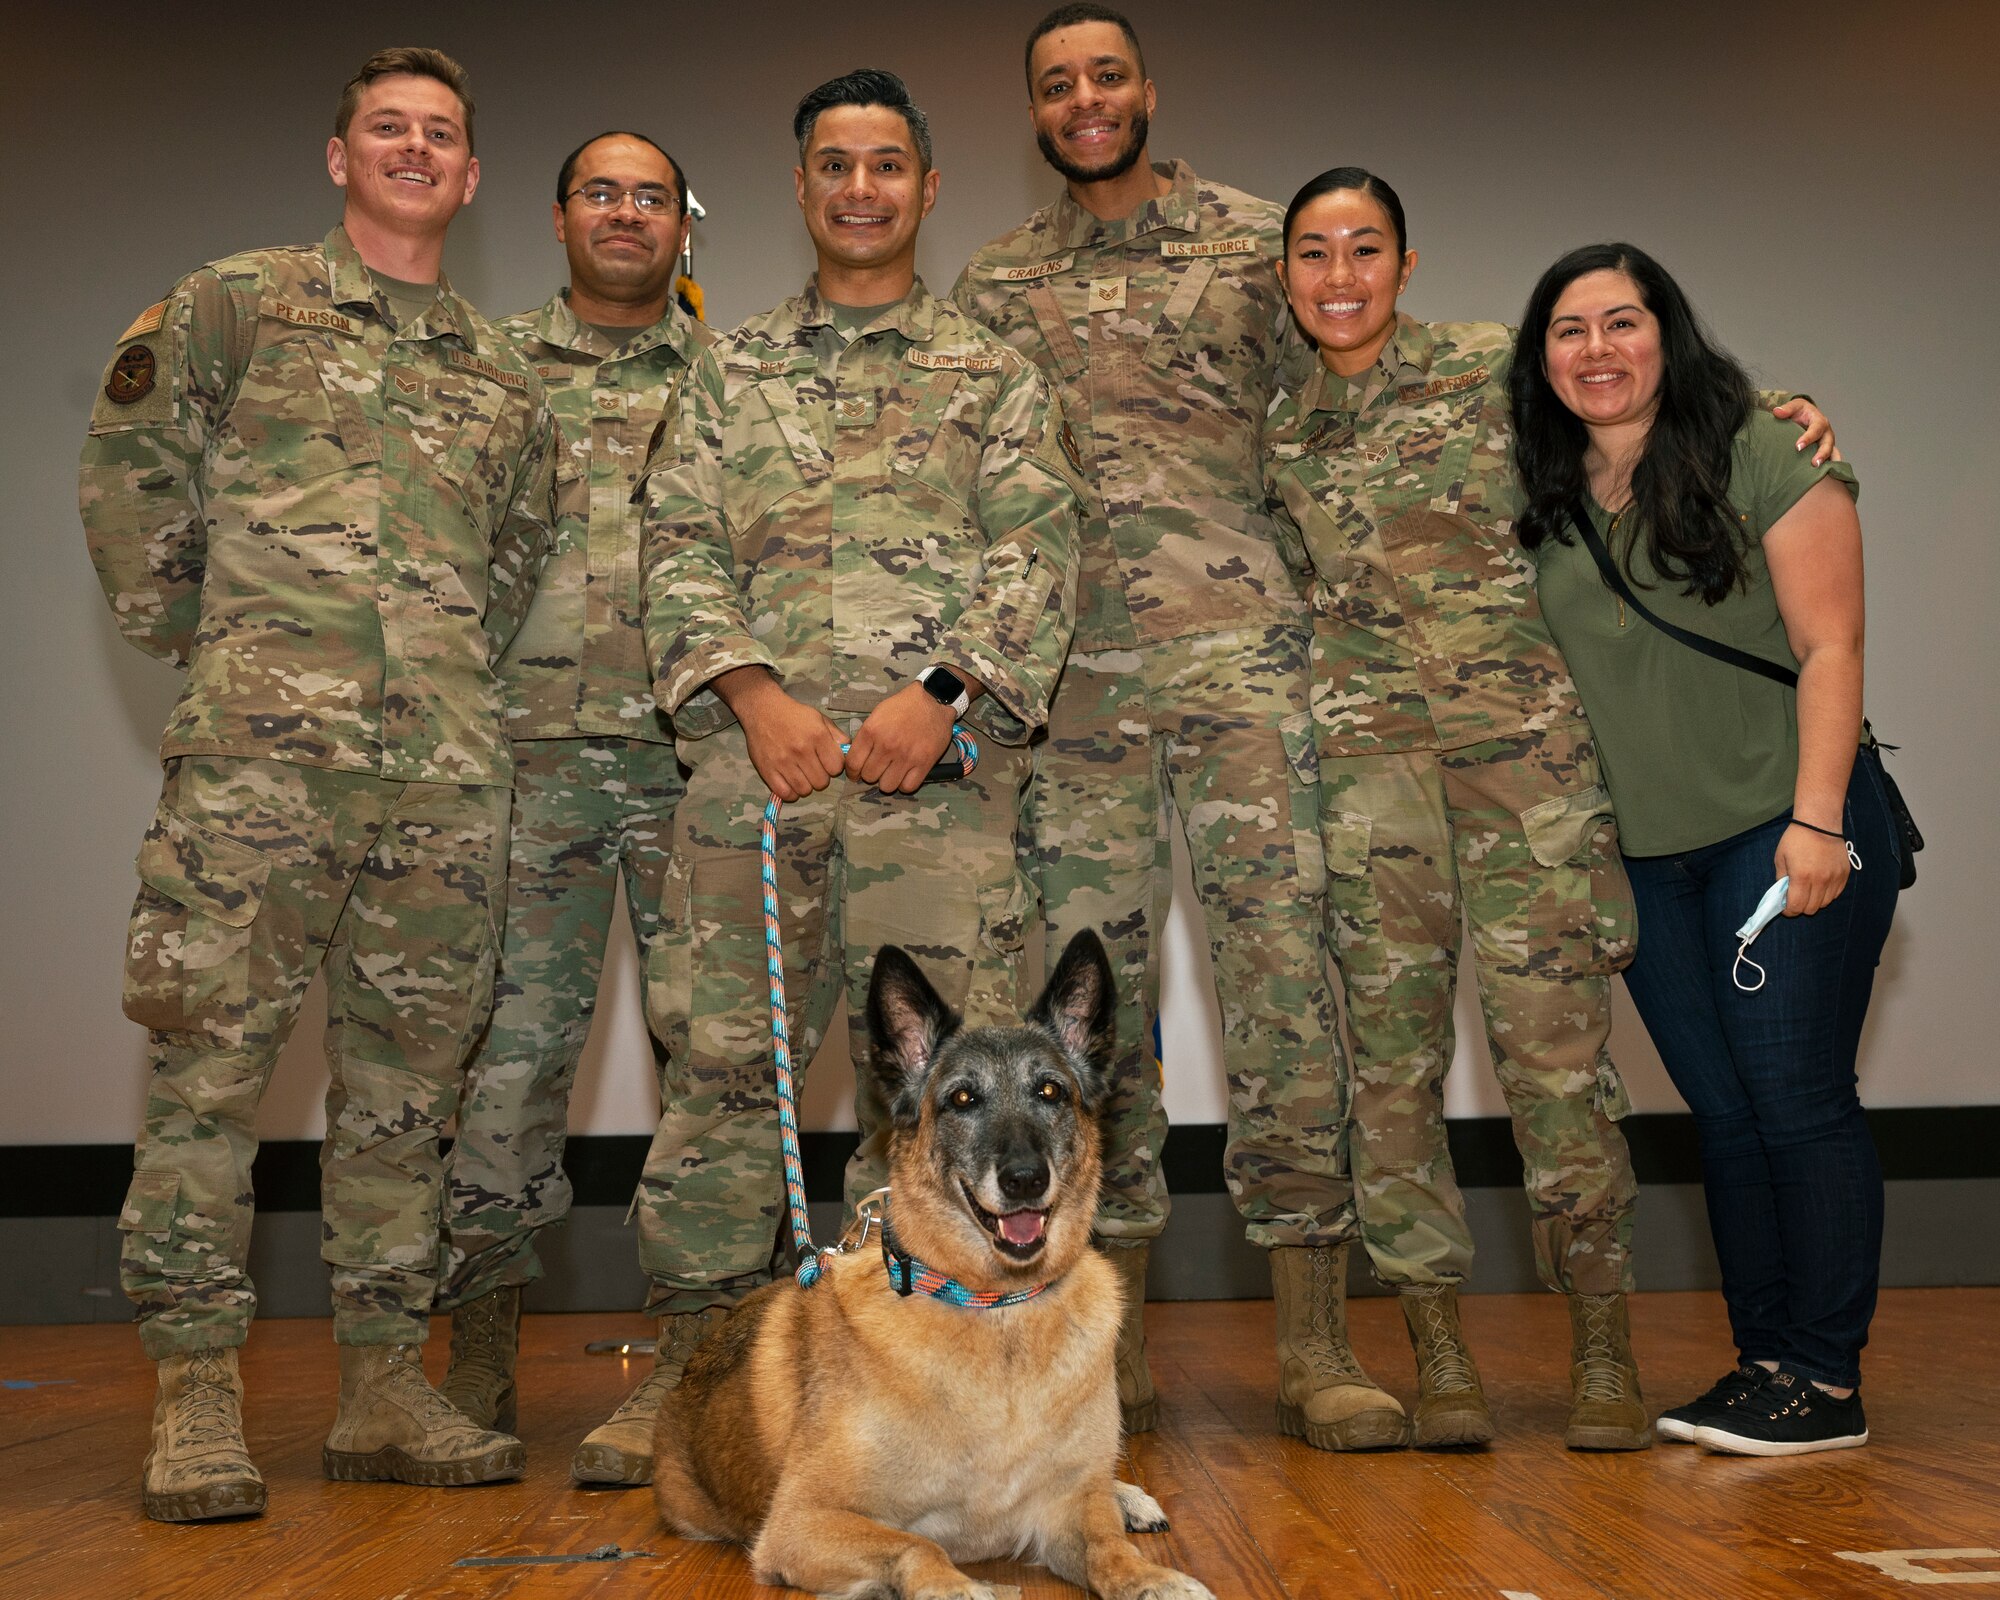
(1772,905)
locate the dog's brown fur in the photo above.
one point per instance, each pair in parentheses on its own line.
(857,1440)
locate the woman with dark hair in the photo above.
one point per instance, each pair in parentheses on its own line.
(1458,779)
(1659,495)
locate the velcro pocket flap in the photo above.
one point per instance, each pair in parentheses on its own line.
(202,870)
(1345,834)
(1559,830)
(149,1203)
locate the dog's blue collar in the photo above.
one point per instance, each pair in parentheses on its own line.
(910,1276)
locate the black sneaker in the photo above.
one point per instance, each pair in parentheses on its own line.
(1788,1416)
(1727,1392)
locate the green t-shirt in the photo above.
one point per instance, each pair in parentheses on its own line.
(409,301)
(1694,750)
(850,320)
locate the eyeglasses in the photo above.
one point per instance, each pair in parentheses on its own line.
(647,200)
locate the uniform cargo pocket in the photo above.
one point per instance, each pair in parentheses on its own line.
(1344,835)
(1574,838)
(1003,916)
(1613,1103)
(149,1248)
(187,957)
(1302,790)
(669,977)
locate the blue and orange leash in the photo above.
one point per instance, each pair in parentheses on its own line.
(907,1274)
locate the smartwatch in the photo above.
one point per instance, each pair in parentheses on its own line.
(946,688)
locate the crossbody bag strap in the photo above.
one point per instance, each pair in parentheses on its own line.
(1694,641)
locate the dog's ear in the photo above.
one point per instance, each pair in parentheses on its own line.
(1077,1007)
(907,1022)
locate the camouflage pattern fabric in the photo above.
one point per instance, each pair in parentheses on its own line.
(844,511)
(578,665)
(334,523)
(1218,729)
(254,874)
(1456,773)
(1165,334)
(1515,835)
(847,513)
(586,813)
(595,786)
(933,872)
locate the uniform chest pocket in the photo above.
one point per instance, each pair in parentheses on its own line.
(934,433)
(472,429)
(299,413)
(1432,450)
(768,461)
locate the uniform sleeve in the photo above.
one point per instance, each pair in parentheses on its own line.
(166,389)
(1279,423)
(696,625)
(527,535)
(1015,630)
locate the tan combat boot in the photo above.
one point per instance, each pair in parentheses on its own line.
(1451,1405)
(1323,1395)
(393,1425)
(198,1469)
(485,1334)
(1606,1411)
(1138,1406)
(620,1449)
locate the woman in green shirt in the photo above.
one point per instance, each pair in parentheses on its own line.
(1630,420)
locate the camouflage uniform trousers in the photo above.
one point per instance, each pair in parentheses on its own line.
(587,811)
(255,873)
(1216,728)
(934,872)
(1515,835)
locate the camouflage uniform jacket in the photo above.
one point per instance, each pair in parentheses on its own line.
(846,513)
(1427,633)
(334,524)
(578,665)
(1162,333)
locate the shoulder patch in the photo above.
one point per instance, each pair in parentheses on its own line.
(1411,392)
(132,375)
(313,317)
(1246,246)
(147,321)
(932,361)
(486,369)
(1039,269)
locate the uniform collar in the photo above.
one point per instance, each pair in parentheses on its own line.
(350,285)
(1177,210)
(914,316)
(557,325)
(1404,359)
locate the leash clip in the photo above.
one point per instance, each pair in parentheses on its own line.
(867,1218)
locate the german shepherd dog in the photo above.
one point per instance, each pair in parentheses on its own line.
(862,1440)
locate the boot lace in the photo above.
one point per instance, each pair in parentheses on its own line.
(1445,1367)
(680,1334)
(479,1339)
(208,1400)
(406,1381)
(1327,1353)
(1601,1374)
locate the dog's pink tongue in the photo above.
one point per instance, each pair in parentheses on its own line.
(1021,1227)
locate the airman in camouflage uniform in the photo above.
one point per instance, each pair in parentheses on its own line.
(595,775)
(1147,297)
(332,516)
(1458,781)
(861,490)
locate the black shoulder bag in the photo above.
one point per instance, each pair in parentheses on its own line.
(1909,840)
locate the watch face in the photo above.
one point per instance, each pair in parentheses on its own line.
(942,685)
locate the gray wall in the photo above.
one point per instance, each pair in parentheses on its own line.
(1821,179)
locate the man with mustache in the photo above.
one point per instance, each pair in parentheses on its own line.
(864,529)
(1148,297)
(595,775)
(320,481)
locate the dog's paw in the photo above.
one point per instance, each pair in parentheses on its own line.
(1163,1583)
(967,1589)
(1140,1510)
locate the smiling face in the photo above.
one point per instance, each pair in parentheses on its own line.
(1343,273)
(1603,353)
(864,194)
(625,254)
(1089,102)
(404,159)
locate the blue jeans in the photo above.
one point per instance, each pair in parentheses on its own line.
(1793,1185)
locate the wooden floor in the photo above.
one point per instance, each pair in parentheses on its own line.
(1253,1515)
